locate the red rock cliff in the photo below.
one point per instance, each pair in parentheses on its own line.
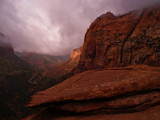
(111,41)
(75,55)
(133,38)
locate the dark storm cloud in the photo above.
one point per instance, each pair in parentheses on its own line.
(55,26)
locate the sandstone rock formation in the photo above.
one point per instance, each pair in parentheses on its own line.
(112,41)
(117,90)
(101,84)
(75,55)
(149,114)
(113,82)
(66,67)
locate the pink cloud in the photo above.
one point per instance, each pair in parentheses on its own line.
(55,26)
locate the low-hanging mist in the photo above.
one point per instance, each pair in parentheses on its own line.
(55,26)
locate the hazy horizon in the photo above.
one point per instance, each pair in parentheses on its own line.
(55,26)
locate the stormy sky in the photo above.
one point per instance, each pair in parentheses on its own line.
(55,26)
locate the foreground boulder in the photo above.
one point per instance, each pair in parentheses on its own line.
(116,90)
(149,114)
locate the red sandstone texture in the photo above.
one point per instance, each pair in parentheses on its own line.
(114,84)
(101,84)
(149,114)
(118,90)
(130,39)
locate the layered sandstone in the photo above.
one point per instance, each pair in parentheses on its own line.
(113,82)
(111,91)
(130,39)
(149,114)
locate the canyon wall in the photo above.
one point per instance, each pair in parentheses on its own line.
(130,39)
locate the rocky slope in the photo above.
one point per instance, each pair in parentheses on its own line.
(42,61)
(20,78)
(8,61)
(100,85)
(54,66)
(113,82)
(5,48)
(60,70)
(149,114)
(18,81)
(112,41)
(118,90)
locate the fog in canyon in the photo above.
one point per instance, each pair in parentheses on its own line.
(55,26)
